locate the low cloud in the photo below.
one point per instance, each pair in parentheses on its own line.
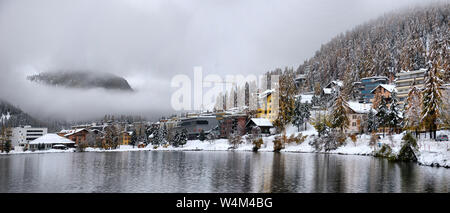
(149,42)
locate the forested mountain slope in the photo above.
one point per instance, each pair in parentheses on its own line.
(402,40)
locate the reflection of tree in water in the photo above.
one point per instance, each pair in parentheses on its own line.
(407,177)
(328,174)
(232,173)
(278,174)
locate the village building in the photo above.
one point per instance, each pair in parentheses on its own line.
(363,88)
(382,91)
(264,124)
(76,135)
(194,125)
(125,138)
(357,114)
(300,82)
(268,108)
(234,123)
(21,136)
(331,89)
(50,141)
(405,80)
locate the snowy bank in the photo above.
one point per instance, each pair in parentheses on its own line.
(430,152)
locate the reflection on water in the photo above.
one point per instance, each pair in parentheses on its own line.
(214,172)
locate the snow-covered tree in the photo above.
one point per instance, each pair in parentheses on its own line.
(111,138)
(432,100)
(301,113)
(413,110)
(159,136)
(175,142)
(371,121)
(286,93)
(382,114)
(183,137)
(339,114)
(134,139)
(394,118)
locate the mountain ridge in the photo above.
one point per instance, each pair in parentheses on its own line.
(83,79)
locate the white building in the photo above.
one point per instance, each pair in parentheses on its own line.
(357,113)
(49,141)
(23,135)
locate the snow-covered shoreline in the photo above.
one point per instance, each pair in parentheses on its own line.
(430,153)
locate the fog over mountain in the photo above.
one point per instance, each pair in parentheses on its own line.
(149,42)
(82,79)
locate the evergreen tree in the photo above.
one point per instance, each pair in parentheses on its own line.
(382,114)
(134,138)
(339,114)
(394,114)
(176,139)
(371,121)
(202,136)
(301,113)
(432,100)
(183,137)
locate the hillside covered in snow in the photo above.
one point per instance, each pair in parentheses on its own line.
(402,40)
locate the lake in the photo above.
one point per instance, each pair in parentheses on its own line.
(202,171)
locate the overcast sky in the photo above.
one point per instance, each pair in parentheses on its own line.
(150,41)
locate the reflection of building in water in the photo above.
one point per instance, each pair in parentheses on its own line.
(267,175)
(359,173)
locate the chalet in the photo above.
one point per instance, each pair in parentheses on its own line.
(331,88)
(382,91)
(77,135)
(264,124)
(357,114)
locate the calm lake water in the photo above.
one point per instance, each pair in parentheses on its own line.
(146,171)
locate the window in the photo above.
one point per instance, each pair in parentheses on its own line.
(354,116)
(353,123)
(186,124)
(202,122)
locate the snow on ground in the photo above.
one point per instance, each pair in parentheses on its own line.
(431,153)
(12,152)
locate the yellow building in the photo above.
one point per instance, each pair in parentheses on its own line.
(125,138)
(267,107)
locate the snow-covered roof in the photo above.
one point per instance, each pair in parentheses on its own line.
(376,77)
(73,131)
(388,87)
(305,98)
(51,139)
(266,93)
(336,82)
(301,76)
(327,90)
(421,70)
(339,83)
(361,108)
(261,122)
